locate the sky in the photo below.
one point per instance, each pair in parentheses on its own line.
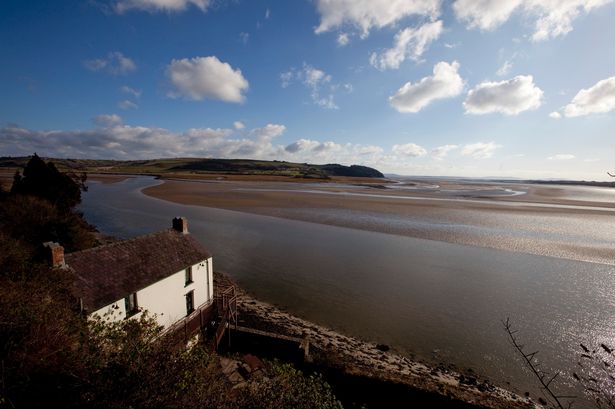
(478,88)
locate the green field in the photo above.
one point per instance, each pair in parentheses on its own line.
(202,166)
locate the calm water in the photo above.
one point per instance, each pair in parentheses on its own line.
(439,301)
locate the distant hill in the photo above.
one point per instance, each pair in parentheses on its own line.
(200,165)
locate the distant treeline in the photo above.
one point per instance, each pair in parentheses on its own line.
(200,165)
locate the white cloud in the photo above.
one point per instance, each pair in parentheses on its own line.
(131,91)
(122,6)
(504,69)
(343,39)
(114,140)
(238,125)
(480,150)
(509,97)
(267,13)
(599,98)
(209,133)
(552,18)
(445,83)
(440,152)
(408,43)
(206,77)
(366,14)
(126,105)
(315,80)
(115,63)
(409,149)
(269,132)
(555,115)
(561,156)
(108,120)
(244,37)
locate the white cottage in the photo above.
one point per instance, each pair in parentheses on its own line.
(168,273)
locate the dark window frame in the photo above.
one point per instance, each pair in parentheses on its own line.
(189,278)
(190,302)
(132,305)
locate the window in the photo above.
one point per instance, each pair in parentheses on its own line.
(189,302)
(189,275)
(131,305)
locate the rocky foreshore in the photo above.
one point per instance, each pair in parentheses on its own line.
(358,358)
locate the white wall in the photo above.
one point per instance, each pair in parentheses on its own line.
(167,297)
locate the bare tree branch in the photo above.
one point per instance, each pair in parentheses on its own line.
(533,365)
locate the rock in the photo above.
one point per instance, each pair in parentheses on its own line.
(382,347)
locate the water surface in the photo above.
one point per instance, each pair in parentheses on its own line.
(439,301)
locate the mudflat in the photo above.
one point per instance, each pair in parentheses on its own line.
(536,219)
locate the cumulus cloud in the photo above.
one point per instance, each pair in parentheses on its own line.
(555,115)
(561,156)
(238,125)
(367,14)
(441,152)
(206,77)
(509,97)
(108,120)
(552,18)
(599,98)
(127,104)
(114,140)
(343,39)
(409,149)
(269,132)
(444,83)
(115,63)
(318,82)
(122,6)
(480,150)
(408,43)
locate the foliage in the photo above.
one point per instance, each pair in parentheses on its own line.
(44,180)
(283,386)
(39,339)
(222,166)
(34,221)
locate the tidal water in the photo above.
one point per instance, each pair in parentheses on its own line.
(438,301)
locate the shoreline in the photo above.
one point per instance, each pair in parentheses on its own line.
(357,358)
(460,221)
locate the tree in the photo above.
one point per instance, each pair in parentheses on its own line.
(44,180)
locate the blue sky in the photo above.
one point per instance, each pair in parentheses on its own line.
(519,88)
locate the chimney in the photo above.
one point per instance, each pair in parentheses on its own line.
(55,254)
(180,224)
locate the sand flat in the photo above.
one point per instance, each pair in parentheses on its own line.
(545,220)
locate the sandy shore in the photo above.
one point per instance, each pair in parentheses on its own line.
(360,358)
(472,219)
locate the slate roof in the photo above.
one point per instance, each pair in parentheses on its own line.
(109,273)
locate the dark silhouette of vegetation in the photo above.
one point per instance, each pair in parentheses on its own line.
(43,180)
(41,207)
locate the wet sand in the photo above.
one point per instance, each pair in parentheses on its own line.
(460,213)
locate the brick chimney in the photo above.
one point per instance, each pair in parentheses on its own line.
(55,254)
(180,224)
